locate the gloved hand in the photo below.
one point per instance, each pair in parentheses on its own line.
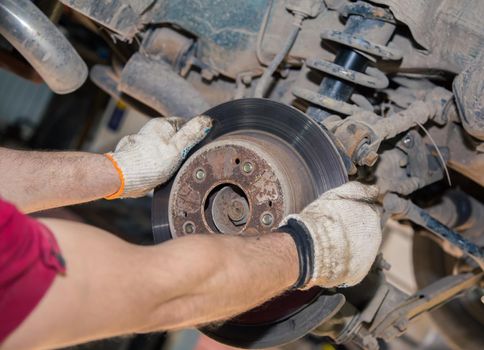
(337,236)
(150,157)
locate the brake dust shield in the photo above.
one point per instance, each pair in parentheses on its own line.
(262,161)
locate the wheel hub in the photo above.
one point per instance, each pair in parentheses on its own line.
(249,184)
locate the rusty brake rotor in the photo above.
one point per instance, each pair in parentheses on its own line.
(262,161)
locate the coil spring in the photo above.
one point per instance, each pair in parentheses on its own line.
(372,77)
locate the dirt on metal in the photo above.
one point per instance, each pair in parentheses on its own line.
(242,183)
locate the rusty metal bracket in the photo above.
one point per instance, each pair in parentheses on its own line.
(395,322)
(363,132)
(390,310)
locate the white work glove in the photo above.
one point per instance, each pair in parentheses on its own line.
(337,236)
(150,157)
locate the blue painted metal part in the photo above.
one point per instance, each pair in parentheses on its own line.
(453,237)
(226,23)
(404,208)
(225,29)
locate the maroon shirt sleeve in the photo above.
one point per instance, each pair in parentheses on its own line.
(29,261)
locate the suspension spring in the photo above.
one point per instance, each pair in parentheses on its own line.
(351,66)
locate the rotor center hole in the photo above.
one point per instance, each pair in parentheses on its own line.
(227,209)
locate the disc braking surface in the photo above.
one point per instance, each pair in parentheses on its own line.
(262,161)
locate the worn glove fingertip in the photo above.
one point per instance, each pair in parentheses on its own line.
(197,127)
(205,123)
(191,134)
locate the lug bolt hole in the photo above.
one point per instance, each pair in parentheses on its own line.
(247,167)
(267,219)
(188,227)
(200,174)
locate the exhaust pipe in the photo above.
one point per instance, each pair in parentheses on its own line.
(43,45)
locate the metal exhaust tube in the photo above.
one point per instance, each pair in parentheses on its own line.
(43,45)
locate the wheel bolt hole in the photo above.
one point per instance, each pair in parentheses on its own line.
(267,219)
(247,167)
(189,227)
(200,174)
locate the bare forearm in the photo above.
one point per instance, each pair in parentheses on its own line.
(40,180)
(220,277)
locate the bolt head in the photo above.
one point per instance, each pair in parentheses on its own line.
(188,228)
(200,174)
(247,79)
(247,167)
(267,219)
(236,211)
(408,141)
(370,159)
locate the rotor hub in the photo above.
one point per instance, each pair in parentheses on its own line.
(238,184)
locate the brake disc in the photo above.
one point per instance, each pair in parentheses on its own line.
(262,161)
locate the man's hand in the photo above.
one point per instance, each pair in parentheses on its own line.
(36,181)
(338,236)
(152,156)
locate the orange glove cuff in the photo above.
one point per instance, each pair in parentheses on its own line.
(120,191)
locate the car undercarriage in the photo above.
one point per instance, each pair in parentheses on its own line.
(305,96)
